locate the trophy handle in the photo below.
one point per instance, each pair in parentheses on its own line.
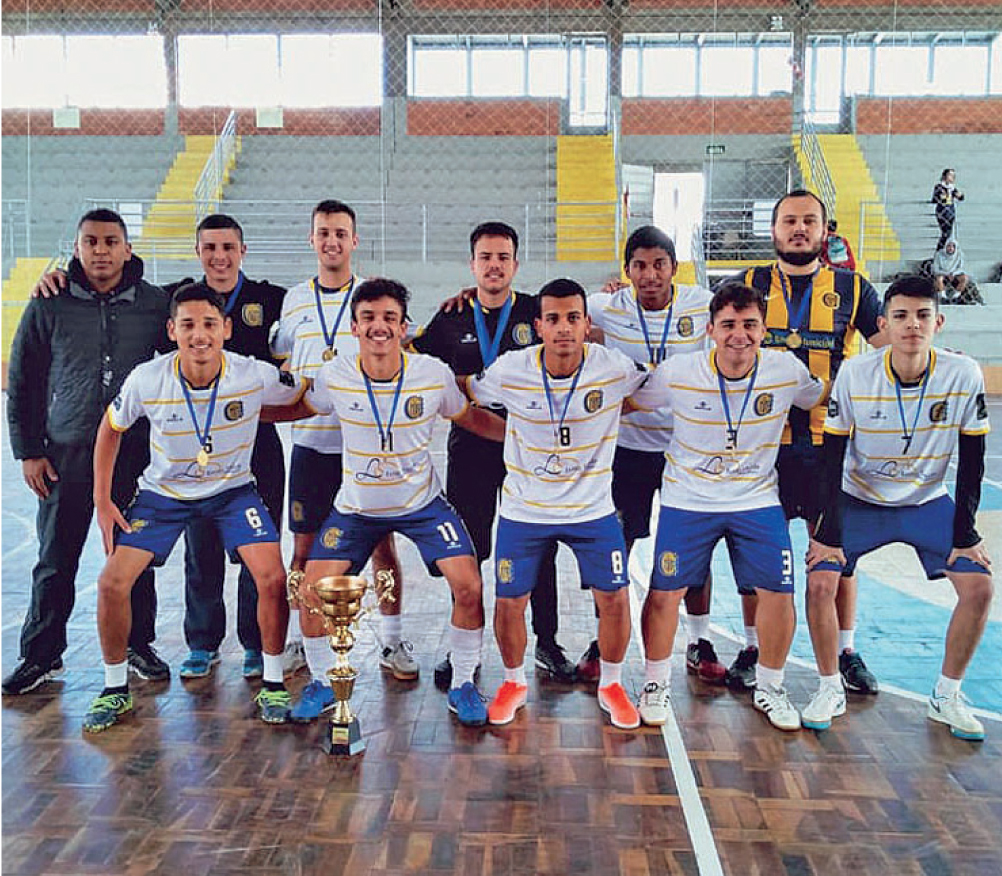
(294,585)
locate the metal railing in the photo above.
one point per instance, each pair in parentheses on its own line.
(699,257)
(820,175)
(209,188)
(16,231)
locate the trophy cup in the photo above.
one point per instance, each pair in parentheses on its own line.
(340,609)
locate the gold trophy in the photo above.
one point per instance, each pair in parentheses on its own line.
(341,608)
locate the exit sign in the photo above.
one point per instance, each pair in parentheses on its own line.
(715,149)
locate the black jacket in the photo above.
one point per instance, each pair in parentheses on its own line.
(71,354)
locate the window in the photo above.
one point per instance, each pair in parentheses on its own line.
(321,70)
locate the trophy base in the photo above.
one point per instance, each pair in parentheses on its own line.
(343,739)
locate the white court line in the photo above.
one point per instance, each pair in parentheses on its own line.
(700,834)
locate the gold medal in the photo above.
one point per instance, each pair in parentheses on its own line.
(794,341)
(328,354)
(203,458)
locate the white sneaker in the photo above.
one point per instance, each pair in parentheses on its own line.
(654,703)
(399,661)
(954,712)
(827,703)
(293,657)
(775,704)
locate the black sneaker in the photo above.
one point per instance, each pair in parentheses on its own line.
(550,657)
(146,663)
(443,674)
(741,674)
(855,675)
(27,676)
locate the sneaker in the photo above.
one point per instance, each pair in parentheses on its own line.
(623,714)
(588,668)
(274,705)
(146,663)
(827,703)
(253,663)
(293,657)
(654,703)
(199,663)
(315,699)
(954,712)
(468,705)
(28,675)
(774,703)
(105,711)
(507,701)
(443,674)
(550,657)
(399,662)
(741,675)
(855,675)
(701,660)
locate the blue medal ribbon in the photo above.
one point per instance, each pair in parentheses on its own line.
(796,320)
(201,434)
(558,427)
(235,294)
(907,435)
(732,430)
(489,346)
(385,437)
(330,338)
(656,358)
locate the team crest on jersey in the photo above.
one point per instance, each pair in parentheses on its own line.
(831,299)
(832,408)
(521,334)
(763,404)
(117,403)
(938,412)
(252,315)
(138,524)
(414,407)
(668,564)
(593,401)
(505,570)
(331,537)
(298,514)
(685,326)
(234,410)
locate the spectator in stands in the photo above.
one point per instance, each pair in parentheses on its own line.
(69,358)
(948,272)
(945,195)
(836,250)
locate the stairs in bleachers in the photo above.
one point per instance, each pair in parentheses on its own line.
(16,290)
(586,196)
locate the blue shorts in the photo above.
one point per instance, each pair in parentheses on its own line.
(157,521)
(597,545)
(314,479)
(928,528)
(436,529)
(758,542)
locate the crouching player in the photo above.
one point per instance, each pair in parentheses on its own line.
(203,405)
(902,412)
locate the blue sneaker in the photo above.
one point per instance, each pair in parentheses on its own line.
(198,664)
(316,699)
(253,664)
(468,704)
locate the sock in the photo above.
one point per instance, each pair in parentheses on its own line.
(319,657)
(392,625)
(659,671)
(516,675)
(765,676)
(945,687)
(698,627)
(117,674)
(751,637)
(832,681)
(273,668)
(846,640)
(295,632)
(612,673)
(465,647)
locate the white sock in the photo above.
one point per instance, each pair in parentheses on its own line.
(273,668)
(516,675)
(295,631)
(945,687)
(612,673)
(846,640)
(659,671)
(832,681)
(698,627)
(116,674)
(751,637)
(465,647)
(319,657)
(392,625)
(765,676)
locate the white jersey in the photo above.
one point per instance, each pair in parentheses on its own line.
(882,465)
(398,477)
(558,449)
(154,390)
(708,469)
(678,328)
(300,338)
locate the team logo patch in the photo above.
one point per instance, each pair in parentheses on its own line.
(831,299)
(414,407)
(982,406)
(286,378)
(252,314)
(521,334)
(117,403)
(593,401)
(234,410)
(331,537)
(298,514)
(938,412)
(832,408)
(685,326)
(763,404)
(506,570)
(138,524)
(668,564)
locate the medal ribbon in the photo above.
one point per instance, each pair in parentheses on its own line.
(905,434)
(549,398)
(659,357)
(795,321)
(329,339)
(489,346)
(732,431)
(235,294)
(202,435)
(385,437)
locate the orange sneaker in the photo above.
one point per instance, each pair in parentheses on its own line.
(509,699)
(623,714)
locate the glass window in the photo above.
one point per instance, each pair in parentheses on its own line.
(234,70)
(116,71)
(959,69)
(669,71)
(498,72)
(774,71)
(589,91)
(306,62)
(901,70)
(631,71)
(547,72)
(439,73)
(34,72)
(726,70)
(857,69)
